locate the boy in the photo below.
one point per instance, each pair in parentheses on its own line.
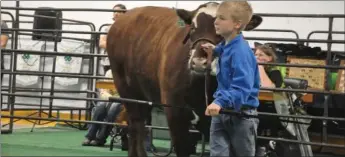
(238,84)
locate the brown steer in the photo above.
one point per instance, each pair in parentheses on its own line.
(150,61)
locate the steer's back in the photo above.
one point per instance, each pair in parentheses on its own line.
(146,43)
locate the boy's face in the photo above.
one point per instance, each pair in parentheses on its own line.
(224,23)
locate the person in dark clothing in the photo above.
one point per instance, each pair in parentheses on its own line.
(270,77)
(3,42)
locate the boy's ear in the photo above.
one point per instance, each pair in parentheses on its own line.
(254,22)
(185,15)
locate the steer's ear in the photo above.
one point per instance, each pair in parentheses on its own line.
(185,15)
(254,22)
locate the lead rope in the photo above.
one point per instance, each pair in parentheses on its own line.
(207,77)
(206,88)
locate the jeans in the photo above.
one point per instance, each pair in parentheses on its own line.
(106,112)
(233,135)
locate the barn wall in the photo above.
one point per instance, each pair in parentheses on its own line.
(301,25)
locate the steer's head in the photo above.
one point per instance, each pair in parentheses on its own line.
(202,30)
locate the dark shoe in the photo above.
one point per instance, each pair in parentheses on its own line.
(86,142)
(97,143)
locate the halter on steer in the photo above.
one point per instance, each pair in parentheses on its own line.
(208,65)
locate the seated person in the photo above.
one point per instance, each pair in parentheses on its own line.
(107,112)
(270,77)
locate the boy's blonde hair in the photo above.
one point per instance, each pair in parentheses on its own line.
(240,11)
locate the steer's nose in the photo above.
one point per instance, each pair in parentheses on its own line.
(199,62)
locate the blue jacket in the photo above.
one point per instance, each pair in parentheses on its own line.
(237,75)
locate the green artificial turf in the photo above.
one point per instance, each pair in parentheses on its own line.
(55,142)
(60,141)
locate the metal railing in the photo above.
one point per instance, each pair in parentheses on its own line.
(12,72)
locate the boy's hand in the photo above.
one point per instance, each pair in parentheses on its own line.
(261,68)
(208,47)
(212,110)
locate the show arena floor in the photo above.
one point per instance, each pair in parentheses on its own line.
(59,141)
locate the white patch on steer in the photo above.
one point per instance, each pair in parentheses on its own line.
(196,118)
(210,9)
(214,66)
(191,56)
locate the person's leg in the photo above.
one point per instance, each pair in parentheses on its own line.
(243,133)
(99,115)
(219,138)
(114,110)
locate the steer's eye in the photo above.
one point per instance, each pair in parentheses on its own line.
(192,28)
